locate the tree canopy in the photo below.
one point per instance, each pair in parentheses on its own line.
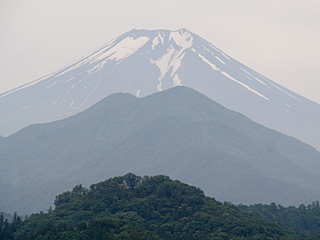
(133,207)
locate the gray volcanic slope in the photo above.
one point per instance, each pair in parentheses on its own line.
(178,132)
(142,62)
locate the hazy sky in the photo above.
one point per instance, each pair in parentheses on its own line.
(277,38)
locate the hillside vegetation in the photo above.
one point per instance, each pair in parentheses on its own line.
(304,219)
(132,207)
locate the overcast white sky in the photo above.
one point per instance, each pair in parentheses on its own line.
(277,38)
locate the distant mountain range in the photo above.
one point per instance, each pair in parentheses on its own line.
(178,132)
(142,62)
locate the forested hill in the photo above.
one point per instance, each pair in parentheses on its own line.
(132,207)
(304,219)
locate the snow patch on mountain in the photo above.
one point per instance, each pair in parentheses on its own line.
(225,56)
(182,38)
(176,80)
(160,35)
(138,93)
(215,68)
(211,45)
(69,79)
(88,97)
(51,84)
(220,60)
(171,60)
(110,52)
(28,106)
(244,85)
(260,81)
(55,101)
(70,105)
(124,49)
(286,92)
(155,42)
(97,67)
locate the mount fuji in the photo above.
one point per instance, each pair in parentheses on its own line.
(142,62)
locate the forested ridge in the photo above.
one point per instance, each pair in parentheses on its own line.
(132,207)
(304,219)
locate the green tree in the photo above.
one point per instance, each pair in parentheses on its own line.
(131,180)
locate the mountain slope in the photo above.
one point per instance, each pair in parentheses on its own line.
(142,62)
(178,132)
(132,207)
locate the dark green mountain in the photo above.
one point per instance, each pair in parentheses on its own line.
(178,132)
(148,208)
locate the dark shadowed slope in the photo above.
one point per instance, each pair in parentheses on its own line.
(178,132)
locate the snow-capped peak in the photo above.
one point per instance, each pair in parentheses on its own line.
(172,58)
(142,62)
(123,49)
(182,38)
